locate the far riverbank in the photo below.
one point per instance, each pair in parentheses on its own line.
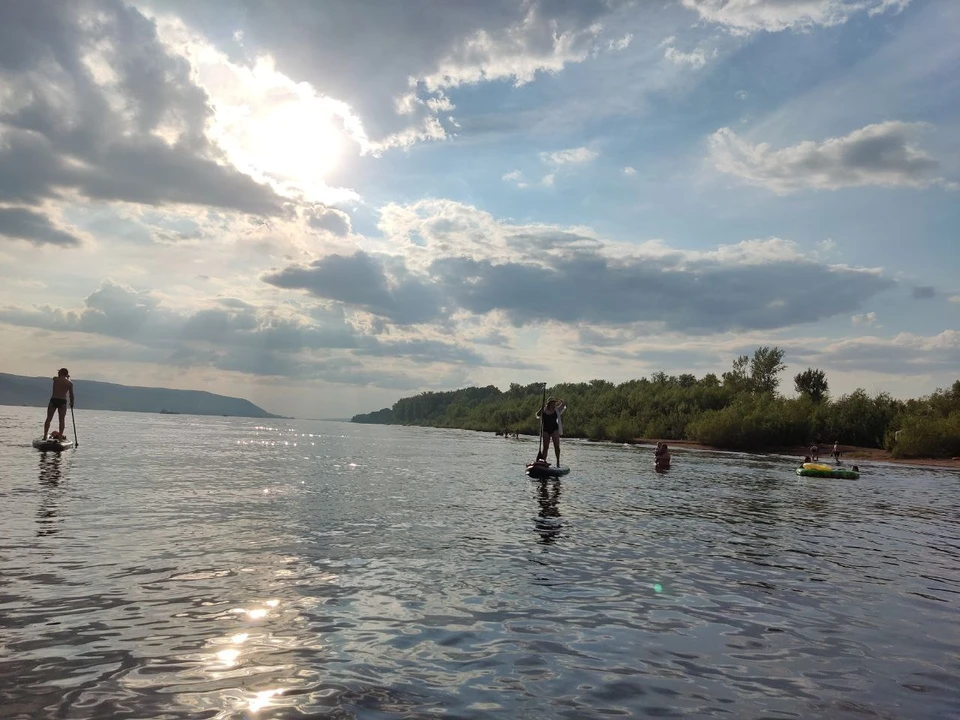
(849,453)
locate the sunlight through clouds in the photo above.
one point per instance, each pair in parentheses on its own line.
(272,128)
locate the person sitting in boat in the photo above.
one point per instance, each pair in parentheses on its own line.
(62,387)
(552,429)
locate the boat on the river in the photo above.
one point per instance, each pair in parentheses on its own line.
(822,470)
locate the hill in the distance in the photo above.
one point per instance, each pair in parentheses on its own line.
(93,395)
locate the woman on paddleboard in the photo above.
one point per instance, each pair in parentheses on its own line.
(552,427)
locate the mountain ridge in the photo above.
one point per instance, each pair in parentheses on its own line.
(99,395)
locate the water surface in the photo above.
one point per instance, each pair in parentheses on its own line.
(179,566)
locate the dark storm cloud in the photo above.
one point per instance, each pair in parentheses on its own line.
(360,281)
(23,224)
(66,125)
(925,292)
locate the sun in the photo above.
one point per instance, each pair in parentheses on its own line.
(271,127)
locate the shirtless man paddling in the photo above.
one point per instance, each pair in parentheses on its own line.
(62,387)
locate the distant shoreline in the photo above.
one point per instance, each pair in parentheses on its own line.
(848,453)
(80,408)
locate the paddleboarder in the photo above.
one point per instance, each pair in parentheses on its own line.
(552,427)
(62,388)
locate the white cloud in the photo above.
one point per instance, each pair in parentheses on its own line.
(629,171)
(903,354)
(746,16)
(695,59)
(515,177)
(621,44)
(572,156)
(881,154)
(740,95)
(547,180)
(869,318)
(826,248)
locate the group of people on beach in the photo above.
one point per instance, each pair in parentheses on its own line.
(815,453)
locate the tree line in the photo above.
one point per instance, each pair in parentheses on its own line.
(740,410)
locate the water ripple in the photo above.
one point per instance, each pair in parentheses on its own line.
(224,568)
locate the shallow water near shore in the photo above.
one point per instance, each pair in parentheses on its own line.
(181,566)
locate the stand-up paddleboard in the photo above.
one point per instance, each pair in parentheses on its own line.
(51,444)
(539,470)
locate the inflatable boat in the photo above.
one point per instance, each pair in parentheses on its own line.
(827,471)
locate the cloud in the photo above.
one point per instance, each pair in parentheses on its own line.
(329,219)
(695,59)
(629,171)
(361,281)
(397,73)
(954,299)
(515,177)
(22,224)
(229,334)
(93,102)
(572,156)
(621,44)
(447,259)
(747,16)
(923,292)
(869,318)
(884,154)
(904,354)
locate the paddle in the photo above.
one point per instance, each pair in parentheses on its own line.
(76,440)
(540,434)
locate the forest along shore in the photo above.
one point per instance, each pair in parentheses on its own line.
(849,453)
(740,411)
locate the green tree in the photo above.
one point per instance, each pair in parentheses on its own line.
(812,383)
(736,379)
(766,365)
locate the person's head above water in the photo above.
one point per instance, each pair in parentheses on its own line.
(63,373)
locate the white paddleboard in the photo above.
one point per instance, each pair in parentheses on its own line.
(51,444)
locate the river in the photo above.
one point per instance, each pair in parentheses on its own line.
(177,566)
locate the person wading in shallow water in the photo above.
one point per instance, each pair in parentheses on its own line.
(552,427)
(62,387)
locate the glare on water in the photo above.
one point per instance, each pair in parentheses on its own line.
(225,568)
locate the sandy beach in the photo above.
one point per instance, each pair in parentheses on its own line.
(849,453)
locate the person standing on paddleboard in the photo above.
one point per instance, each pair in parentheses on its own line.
(62,387)
(552,427)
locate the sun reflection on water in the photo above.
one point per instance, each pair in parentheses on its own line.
(262,699)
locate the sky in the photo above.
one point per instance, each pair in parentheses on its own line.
(324,207)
